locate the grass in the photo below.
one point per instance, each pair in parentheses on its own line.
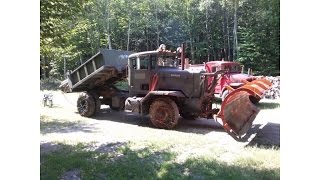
(268,105)
(48,125)
(149,160)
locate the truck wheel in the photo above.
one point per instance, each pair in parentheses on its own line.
(164,113)
(224,95)
(86,105)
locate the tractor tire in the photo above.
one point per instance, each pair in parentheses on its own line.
(86,105)
(164,113)
(224,95)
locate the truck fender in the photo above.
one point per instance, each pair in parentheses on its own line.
(147,100)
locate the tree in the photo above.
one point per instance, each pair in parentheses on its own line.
(244,30)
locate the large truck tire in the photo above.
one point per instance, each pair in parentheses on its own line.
(86,104)
(164,113)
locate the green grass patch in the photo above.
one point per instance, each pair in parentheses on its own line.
(49,125)
(149,161)
(268,105)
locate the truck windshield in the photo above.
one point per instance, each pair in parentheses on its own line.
(167,61)
(233,68)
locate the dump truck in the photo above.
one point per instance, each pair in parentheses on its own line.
(160,86)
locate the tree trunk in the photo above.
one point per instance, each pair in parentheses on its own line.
(224,34)
(108,25)
(109,38)
(147,39)
(64,67)
(157,24)
(207,33)
(228,39)
(128,42)
(44,68)
(192,51)
(235,37)
(226,50)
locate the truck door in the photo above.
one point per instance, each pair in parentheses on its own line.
(140,74)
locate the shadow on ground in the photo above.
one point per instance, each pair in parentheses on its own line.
(53,106)
(60,126)
(199,126)
(263,135)
(122,162)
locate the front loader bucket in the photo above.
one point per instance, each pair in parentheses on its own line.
(238,110)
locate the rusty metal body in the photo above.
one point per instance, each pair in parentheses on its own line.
(238,109)
(105,66)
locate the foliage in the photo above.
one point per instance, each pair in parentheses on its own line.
(260,36)
(75,30)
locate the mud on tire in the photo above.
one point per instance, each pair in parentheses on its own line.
(86,104)
(164,113)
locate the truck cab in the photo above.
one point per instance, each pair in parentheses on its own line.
(160,70)
(233,76)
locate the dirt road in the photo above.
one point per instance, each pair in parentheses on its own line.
(63,123)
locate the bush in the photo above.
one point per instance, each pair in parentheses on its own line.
(49,84)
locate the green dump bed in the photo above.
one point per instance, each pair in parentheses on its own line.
(106,66)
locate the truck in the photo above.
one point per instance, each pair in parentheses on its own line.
(160,85)
(232,79)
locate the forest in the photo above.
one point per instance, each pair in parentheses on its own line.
(247,31)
